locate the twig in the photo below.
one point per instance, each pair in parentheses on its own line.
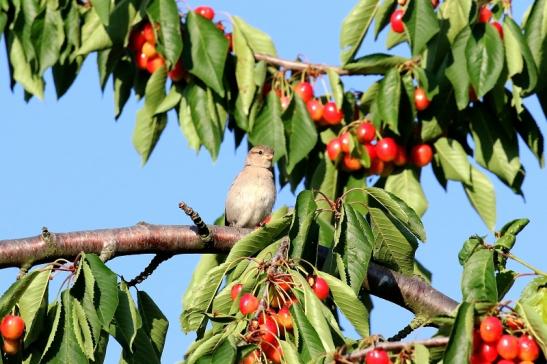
(399,345)
(300,66)
(203,230)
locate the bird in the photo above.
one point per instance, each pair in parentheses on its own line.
(252,194)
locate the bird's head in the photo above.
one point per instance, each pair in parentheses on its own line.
(260,156)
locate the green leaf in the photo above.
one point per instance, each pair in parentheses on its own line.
(94,35)
(457,12)
(358,242)
(310,339)
(514,227)
(460,344)
(82,331)
(494,150)
(208,130)
(123,80)
(304,214)
(504,282)
(391,247)
(347,301)
(154,322)
(166,15)
(457,72)
(336,87)
(383,14)
(187,125)
(405,184)
(519,57)
(54,317)
(421,23)
(208,49)
(421,354)
(530,132)
(127,320)
(375,64)
(535,323)
(14,293)
(258,41)
(453,160)
(482,196)
(245,63)
(485,58)
(300,132)
(33,305)
(106,284)
(536,37)
(48,35)
(388,98)
(225,353)
(102,8)
(22,70)
(290,355)
(170,101)
(478,279)
(268,128)
(313,309)
(206,346)
(354,28)
(534,295)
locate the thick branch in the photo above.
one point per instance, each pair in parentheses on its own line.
(299,66)
(411,293)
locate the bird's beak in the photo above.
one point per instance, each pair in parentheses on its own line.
(270,157)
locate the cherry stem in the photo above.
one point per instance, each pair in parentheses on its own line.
(527,265)
(399,345)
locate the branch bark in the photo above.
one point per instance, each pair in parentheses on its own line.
(299,66)
(411,293)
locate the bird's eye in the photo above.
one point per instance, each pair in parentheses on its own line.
(260,152)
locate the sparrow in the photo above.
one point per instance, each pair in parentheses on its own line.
(252,194)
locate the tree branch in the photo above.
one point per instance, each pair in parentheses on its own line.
(397,346)
(299,66)
(409,292)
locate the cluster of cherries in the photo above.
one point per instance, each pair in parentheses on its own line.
(142,42)
(274,320)
(12,329)
(384,154)
(485,15)
(492,343)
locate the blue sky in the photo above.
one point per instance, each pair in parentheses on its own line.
(69,166)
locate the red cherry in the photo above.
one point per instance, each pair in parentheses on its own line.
(267,329)
(377,356)
(396,21)
(273,353)
(386,149)
(350,163)
(529,349)
(220,26)
(505,361)
(371,151)
(421,155)
(142,61)
(376,167)
(230,39)
(472,94)
(136,41)
(345,141)
(11,347)
(148,33)
(154,63)
(331,114)
(366,132)
(315,109)
(488,352)
(236,288)
(320,287)
(491,329)
(420,99)
(252,358)
(205,11)
(477,341)
(284,319)
(304,90)
(435,3)
(248,303)
(484,14)
(334,148)
(12,327)
(508,347)
(178,72)
(499,28)
(401,158)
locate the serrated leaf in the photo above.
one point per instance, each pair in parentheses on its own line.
(33,305)
(205,347)
(205,264)
(22,71)
(208,49)
(535,323)
(94,35)
(478,278)
(504,282)
(388,98)
(514,227)
(54,316)
(534,295)
(336,87)
(82,331)
(14,292)
(530,132)
(482,196)
(170,101)
(347,301)
(127,320)
(290,355)
(457,72)
(453,160)
(106,283)
(310,339)
(405,184)
(520,61)
(245,63)
(421,354)
(123,81)
(268,128)
(355,26)
(48,35)
(457,12)
(375,64)
(300,132)
(166,15)
(357,239)
(304,213)
(382,17)
(421,24)
(485,58)
(102,8)
(187,125)
(154,322)
(458,350)
(391,247)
